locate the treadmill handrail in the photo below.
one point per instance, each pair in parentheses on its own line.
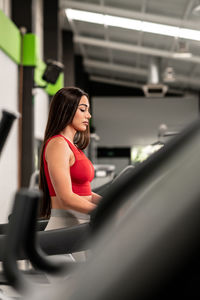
(21,236)
(113,197)
(57,241)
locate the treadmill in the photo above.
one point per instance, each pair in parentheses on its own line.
(145,232)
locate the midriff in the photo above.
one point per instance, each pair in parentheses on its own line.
(56,203)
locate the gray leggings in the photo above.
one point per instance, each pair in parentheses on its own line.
(61,218)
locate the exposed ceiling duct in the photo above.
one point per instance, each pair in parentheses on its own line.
(154,87)
(154,71)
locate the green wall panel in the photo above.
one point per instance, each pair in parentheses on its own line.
(53,88)
(10,43)
(39,70)
(30,49)
(10,38)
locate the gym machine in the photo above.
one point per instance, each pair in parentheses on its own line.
(151,251)
(144,233)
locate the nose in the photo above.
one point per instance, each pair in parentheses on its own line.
(89,115)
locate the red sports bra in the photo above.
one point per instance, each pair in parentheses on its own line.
(82,171)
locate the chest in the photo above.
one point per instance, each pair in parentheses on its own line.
(82,170)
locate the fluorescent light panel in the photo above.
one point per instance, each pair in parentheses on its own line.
(182,55)
(108,20)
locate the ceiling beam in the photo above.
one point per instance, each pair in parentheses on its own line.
(132,48)
(188,9)
(115,81)
(128,83)
(136,71)
(114,67)
(127,13)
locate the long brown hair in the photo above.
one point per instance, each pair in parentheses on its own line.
(61,113)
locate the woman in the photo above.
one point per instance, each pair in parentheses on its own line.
(65,171)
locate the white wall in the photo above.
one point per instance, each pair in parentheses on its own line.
(9,100)
(5,6)
(129,121)
(41,110)
(9,156)
(38,24)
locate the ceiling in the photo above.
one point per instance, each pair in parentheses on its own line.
(124,56)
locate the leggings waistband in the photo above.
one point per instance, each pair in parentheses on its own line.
(56,212)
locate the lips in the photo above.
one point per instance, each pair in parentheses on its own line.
(86,123)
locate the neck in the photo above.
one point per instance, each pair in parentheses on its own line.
(69,133)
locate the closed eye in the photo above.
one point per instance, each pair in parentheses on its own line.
(83,110)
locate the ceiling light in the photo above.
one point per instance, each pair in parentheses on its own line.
(182,54)
(85,16)
(123,22)
(189,34)
(160,29)
(133,24)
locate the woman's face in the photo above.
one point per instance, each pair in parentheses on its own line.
(82,116)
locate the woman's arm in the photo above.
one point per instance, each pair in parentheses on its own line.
(96,198)
(58,161)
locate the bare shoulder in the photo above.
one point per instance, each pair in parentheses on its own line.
(57,147)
